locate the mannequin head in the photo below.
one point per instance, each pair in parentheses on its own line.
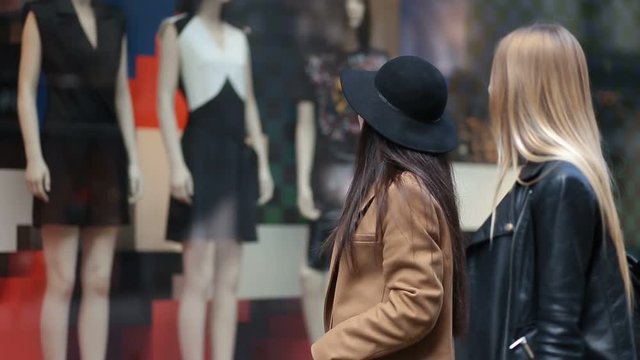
(355,10)
(358,20)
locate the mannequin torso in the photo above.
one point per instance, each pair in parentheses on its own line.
(82,142)
(326,142)
(78,164)
(337,131)
(77,61)
(214,173)
(214,80)
(87,19)
(337,125)
(326,139)
(205,70)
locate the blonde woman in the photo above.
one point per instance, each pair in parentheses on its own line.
(548,273)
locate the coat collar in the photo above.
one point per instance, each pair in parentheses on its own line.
(368,200)
(532,171)
(335,264)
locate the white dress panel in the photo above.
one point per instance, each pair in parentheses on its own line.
(206,67)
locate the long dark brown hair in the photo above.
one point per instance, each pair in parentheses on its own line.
(379,164)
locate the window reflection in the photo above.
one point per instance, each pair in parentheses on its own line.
(296,51)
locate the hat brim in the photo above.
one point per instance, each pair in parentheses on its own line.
(360,91)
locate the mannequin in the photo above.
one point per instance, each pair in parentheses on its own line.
(82,165)
(211,174)
(326,139)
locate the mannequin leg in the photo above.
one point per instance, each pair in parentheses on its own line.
(60,252)
(98,246)
(198,259)
(314,285)
(224,320)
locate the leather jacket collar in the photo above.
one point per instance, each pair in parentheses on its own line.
(531,171)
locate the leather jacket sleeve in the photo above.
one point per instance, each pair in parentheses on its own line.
(565,219)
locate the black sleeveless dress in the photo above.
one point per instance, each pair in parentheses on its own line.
(81,140)
(223,166)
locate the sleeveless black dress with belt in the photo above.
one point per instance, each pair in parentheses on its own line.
(81,140)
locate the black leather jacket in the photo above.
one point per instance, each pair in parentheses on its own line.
(547,276)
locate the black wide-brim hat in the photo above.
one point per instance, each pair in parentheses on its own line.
(404,102)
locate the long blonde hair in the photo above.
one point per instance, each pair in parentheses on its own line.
(541,110)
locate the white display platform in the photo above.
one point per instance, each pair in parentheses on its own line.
(476,185)
(15,207)
(271,266)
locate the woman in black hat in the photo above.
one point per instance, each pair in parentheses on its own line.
(397,283)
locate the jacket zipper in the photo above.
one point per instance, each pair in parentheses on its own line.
(510,291)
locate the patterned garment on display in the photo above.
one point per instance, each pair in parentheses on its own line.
(337,138)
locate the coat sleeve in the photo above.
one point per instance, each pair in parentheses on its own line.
(413,274)
(565,216)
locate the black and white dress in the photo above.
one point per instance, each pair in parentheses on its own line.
(223,166)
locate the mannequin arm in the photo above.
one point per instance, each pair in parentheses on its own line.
(254,128)
(37,173)
(168,76)
(305,149)
(124,109)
